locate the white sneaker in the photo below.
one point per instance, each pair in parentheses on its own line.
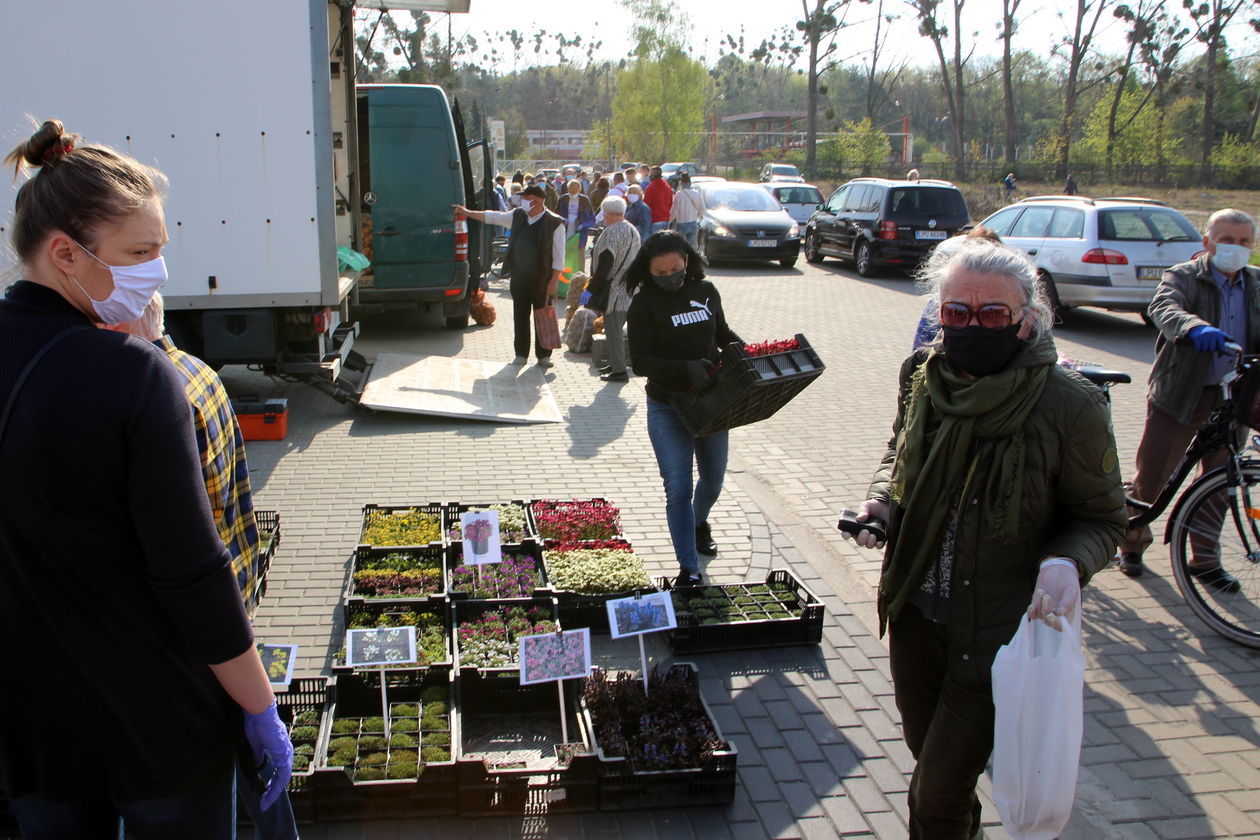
(545,363)
(519,360)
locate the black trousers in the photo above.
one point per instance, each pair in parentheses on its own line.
(948,726)
(522,289)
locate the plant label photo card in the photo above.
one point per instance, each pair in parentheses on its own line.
(480,530)
(279,662)
(380,646)
(642,614)
(549,657)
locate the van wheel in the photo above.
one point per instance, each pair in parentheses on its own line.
(812,252)
(862,260)
(457,322)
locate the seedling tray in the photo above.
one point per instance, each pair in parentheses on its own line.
(433,509)
(750,626)
(465,611)
(507,761)
(434,556)
(395,612)
(622,788)
(452,511)
(341,798)
(748,388)
(268,522)
(454,559)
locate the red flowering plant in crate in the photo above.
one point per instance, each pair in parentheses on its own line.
(595,519)
(764,348)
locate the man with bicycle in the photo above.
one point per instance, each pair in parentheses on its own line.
(1199,307)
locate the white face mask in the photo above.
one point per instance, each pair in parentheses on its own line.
(632,198)
(1230,258)
(134,287)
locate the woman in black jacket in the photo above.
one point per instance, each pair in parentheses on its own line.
(676,327)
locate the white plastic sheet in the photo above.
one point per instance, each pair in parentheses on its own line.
(1038,693)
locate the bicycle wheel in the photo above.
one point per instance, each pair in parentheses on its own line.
(1214,520)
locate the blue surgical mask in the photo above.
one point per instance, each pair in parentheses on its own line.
(134,287)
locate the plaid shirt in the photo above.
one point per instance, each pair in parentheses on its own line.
(223,466)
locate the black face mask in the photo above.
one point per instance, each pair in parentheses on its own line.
(981,352)
(670,282)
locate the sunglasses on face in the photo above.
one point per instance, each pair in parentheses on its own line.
(990,316)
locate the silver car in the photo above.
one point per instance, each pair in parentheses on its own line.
(1104,252)
(800,200)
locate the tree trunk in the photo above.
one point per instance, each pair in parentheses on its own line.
(960,167)
(1115,102)
(1009,8)
(811,106)
(1209,102)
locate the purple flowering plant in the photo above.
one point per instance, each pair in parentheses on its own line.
(490,639)
(516,577)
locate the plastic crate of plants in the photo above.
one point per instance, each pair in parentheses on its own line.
(512,756)
(778,613)
(373,769)
(402,526)
(575,519)
(516,526)
(268,522)
(659,749)
(396,575)
(586,575)
(432,623)
(752,383)
(519,575)
(487,632)
(302,707)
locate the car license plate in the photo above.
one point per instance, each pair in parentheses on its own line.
(929,234)
(1150,272)
(762,243)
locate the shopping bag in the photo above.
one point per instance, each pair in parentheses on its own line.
(547,327)
(1038,696)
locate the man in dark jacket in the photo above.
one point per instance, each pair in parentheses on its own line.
(1198,307)
(535,257)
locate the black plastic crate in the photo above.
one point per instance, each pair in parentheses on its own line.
(340,798)
(465,611)
(374,609)
(452,511)
(804,628)
(502,714)
(268,522)
(454,555)
(587,609)
(433,509)
(435,555)
(302,695)
(747,388)
(622,788)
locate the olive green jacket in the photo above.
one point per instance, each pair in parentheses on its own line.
(1188,297)
(1072,506)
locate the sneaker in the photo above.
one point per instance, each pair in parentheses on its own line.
(1131,564)
(545,362)
(605,368)
(621,376)
(704,540)
(519,360)
(686,578)
(1214,577)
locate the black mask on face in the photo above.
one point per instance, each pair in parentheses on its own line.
(981,352)
(670,282)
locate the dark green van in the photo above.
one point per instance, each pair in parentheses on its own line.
(414,164)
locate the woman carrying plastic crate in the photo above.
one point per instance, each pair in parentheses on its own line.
(676,327)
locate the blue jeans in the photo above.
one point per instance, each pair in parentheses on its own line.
(277,822)
(688,230)
(205,814)
(659,226)
(686,505)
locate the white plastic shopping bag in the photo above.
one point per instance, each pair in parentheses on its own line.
(1038,692)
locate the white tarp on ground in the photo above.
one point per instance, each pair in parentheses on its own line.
(466,388)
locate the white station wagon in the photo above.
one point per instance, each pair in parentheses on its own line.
(1104,252)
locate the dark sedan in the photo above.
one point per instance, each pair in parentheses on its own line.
(742,221)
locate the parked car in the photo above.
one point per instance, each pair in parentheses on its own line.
(1103,252)
(696,180)
(800,200)
(671,171)
(780,172)
(742,221)
(622,167)
(877,222)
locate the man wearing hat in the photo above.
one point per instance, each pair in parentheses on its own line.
(535,258)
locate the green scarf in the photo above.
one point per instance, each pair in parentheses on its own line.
(947,415)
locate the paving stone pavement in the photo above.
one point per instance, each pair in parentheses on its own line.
(1170,738)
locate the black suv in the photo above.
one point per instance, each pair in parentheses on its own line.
(878,222)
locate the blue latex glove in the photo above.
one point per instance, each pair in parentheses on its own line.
(268,735)
(1208,339)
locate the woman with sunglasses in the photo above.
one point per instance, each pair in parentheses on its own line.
(1000,495)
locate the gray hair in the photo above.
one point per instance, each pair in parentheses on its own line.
(1230,216)
(980,256)
(614,204)
(635,188)
(151,325)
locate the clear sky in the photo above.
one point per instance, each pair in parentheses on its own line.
(711,20)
